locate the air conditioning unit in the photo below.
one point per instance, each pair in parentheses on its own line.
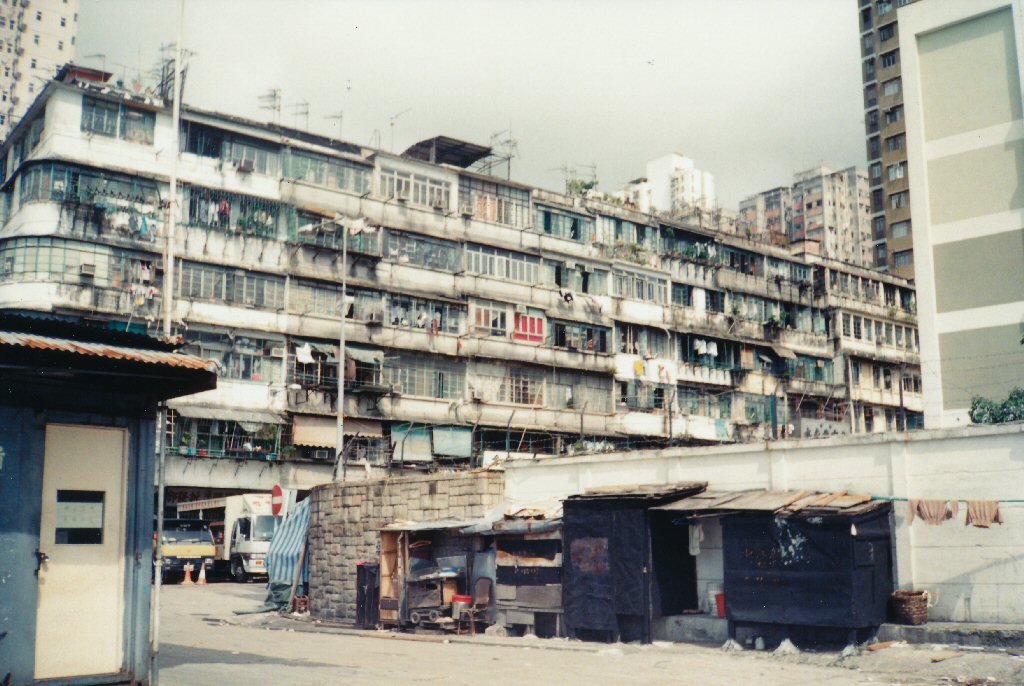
(521,309)
(323,454)
(87,269)
(277,352)
(466,210)
(158,265)
(570,265)
(244,166)
(20,50)
(17,75)
(402,196)
(440,205)
(396,389)
(22,27)
(375,318)
(477,395)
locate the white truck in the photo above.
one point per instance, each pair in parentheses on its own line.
(242,526)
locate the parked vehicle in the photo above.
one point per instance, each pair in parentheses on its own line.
(185,542)
(242,526)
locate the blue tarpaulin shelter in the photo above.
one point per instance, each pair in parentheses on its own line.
(286,546)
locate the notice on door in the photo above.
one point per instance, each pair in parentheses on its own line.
(79,517)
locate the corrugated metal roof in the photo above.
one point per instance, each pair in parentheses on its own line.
(781,502)
(228,414)
(110,352)
(645,491)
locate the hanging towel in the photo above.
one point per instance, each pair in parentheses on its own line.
(696,536)
(931,511)
(983,513)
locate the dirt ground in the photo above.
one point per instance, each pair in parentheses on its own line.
(204,642)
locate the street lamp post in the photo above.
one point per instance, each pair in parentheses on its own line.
(339,453)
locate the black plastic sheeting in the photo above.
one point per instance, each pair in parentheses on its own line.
(808,570)
(603,565)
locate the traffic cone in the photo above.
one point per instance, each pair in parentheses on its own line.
(202,576)
(187,581)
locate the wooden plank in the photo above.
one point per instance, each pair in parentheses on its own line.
(881,646)
(945,656)
(829,498)
(799,494)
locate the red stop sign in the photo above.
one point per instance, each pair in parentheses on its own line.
(276,499)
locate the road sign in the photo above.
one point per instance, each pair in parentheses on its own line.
(276,499)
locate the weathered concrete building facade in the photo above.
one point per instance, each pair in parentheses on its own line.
(482,315)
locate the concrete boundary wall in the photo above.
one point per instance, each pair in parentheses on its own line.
(973,574)
(346,517)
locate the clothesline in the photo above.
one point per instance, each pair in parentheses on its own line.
(961,500)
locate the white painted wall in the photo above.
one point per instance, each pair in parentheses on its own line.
(975,574)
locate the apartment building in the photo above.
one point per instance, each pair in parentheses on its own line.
(827,208)
(891,225)
(37,37)
(673,186)
(482,316)
(965,141)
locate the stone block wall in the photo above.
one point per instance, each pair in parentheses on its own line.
(345,519)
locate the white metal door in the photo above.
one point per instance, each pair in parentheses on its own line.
(79,622)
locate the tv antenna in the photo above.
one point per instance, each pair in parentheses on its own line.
(271,100)
(301,109)
(392,124)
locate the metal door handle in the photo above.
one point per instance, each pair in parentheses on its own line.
(41,558)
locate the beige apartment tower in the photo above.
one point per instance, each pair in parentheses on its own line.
(965,142)
(37,37)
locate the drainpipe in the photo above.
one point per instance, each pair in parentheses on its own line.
(158,562)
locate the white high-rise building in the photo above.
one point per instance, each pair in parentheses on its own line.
(37,37)
(674,185)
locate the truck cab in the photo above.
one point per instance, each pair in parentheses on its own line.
(184,542)
(250,541)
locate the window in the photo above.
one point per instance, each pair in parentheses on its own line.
(490,318)
(35,39)
(39,16)
(251,155)
(893,115)
(565,224)
(642,287)
(232,212)
(886,32)
(891,87)
(60,45)
(904,258)
(31,87)
(414,188)
(575,279)
(426,376)
(884,7)
(492,202)
(894,143)
(897,171)
(116,120)
(410,312)
(502,264)
(876,170)
(238,357)
(642,340)
(208,282)
(874,148)
(63,21)
(857,330)
(898,199)
(682,295)
(872,126)
(877,197)
(890,59)
(32,63)
(869,44)
(576,336)
(529,326)
(900,229)
(326,171)
(421,251)
(878,228)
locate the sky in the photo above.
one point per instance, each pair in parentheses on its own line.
(751,90)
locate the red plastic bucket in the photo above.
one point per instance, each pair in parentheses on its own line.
(720,603)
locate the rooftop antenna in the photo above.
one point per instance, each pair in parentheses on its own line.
(568,173)
(503,149)
(375,139)
(271,100)
(392,123)
(301,109)
(340,115)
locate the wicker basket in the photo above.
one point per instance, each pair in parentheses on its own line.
(910,607)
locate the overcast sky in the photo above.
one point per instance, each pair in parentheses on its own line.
(752,90)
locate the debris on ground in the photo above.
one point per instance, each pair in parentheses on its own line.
(731,646)
(786,648)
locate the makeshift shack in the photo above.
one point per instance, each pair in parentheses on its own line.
(78,413)
(528,556)
(424,566)
(606,591)
(798,565)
